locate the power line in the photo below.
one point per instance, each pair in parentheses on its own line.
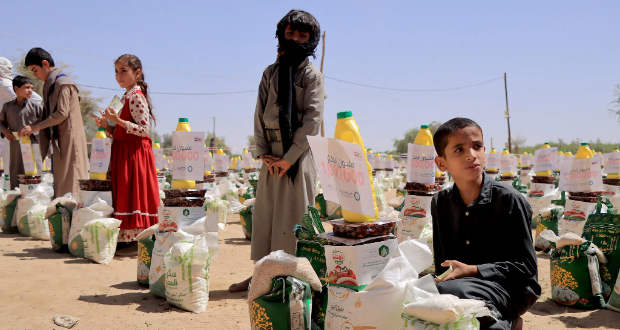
(414,90)
(170,93)
(109,59)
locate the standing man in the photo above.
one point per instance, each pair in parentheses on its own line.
(61,125)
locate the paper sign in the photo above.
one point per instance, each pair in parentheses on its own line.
(526,160)
(379,163)
(100,152)
(343,173)
(221,163)
(188,155)
(246,160)
(580,175)
(421,164)
(158,153)
(389,163)
(612,163)
(166,163)
(117,105)
(508,163)
(546,159)
(208,160)
(29,164)
(597,160)
(258,164)
(492,161)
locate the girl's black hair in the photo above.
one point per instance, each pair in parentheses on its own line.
(301,21)
(134,63)
(36,56)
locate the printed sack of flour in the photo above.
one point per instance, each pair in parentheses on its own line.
(548,219)
(163,243)
(39,195)
(58,215)
(88,198)
(99,210)
(287,305)
(614,300)
(37,224)
(146,242)
(99,238)
(603,230)
(214,205)
(444,311)
(380,304)
(575,277)
(8,222)
(187,274)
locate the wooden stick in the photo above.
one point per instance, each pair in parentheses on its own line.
(323,60)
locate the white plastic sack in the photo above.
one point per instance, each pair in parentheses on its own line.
(67,201)
(88,198)
(444,308)
(214,205)
(187,275)
(163,242)
(100,237)
(380,304)
(39,227)
(98,210)
(396,202)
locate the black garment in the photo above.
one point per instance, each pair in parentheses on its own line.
(493,233)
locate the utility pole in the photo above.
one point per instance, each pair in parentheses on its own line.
(507,114)
(322,60)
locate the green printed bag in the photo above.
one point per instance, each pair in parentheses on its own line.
(248,195)
(287,306)
(310,246)
(245,216)
(603,230)
(614,300)
(145,253)
(469,322)
(8,212)
(548,219)
(575,277)
(319,204)
(59,225)
(561,201)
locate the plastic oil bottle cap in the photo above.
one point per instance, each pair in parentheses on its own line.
(183,120)
(584,143)
(424,127)
(156,141)
(101,129)
(344,114)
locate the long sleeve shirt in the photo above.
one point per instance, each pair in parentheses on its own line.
(14,116)
(493,233)
(139,110)
(310,92)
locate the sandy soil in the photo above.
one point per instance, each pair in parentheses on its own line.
(39,283)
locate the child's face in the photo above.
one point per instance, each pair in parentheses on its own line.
(41,72)
(464,154)
(125,76)
(299,37)
(24,92)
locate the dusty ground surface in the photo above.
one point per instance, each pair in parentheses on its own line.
(39,283)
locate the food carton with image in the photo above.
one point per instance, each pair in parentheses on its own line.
(356,266)
(417,206)
(578,210)
(173,218)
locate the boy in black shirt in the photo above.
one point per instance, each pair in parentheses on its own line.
(482,229)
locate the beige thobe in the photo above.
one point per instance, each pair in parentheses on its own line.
(280,202)
(69,153)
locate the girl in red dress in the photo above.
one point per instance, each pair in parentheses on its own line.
(135,191)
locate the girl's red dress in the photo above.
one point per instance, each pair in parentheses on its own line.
(135,189)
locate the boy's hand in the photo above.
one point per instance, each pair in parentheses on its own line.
(8,134)
(283,165)
(28,130)
(459,270)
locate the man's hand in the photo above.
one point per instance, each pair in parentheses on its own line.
(269,160)
(459,270)
(8,134)
(283,165)
(29,130)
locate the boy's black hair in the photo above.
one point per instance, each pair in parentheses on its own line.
(440,138)
(301,21)
(19,81)
(36,56)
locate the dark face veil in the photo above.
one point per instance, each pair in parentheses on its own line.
(294,55)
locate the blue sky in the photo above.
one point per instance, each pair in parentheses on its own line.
(560,57)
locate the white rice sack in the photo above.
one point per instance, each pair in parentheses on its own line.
(396,202)
(280,263)
(21,214)
(187,275)
(98,210)
(444,308)
(163,242)
(214,205)
(39,227)
(100,237)
(88,198)
(67,201)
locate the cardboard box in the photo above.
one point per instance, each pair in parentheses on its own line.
(173,218)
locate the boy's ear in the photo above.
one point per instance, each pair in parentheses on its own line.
(45,64)
(441,163)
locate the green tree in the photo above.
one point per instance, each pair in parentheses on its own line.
(219,142)
(88,103)
(615,110)
(402,144)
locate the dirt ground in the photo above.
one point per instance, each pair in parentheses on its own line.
(39,283)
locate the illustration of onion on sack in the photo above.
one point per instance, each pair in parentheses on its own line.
(537,193)
(564,295)
(575,214)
